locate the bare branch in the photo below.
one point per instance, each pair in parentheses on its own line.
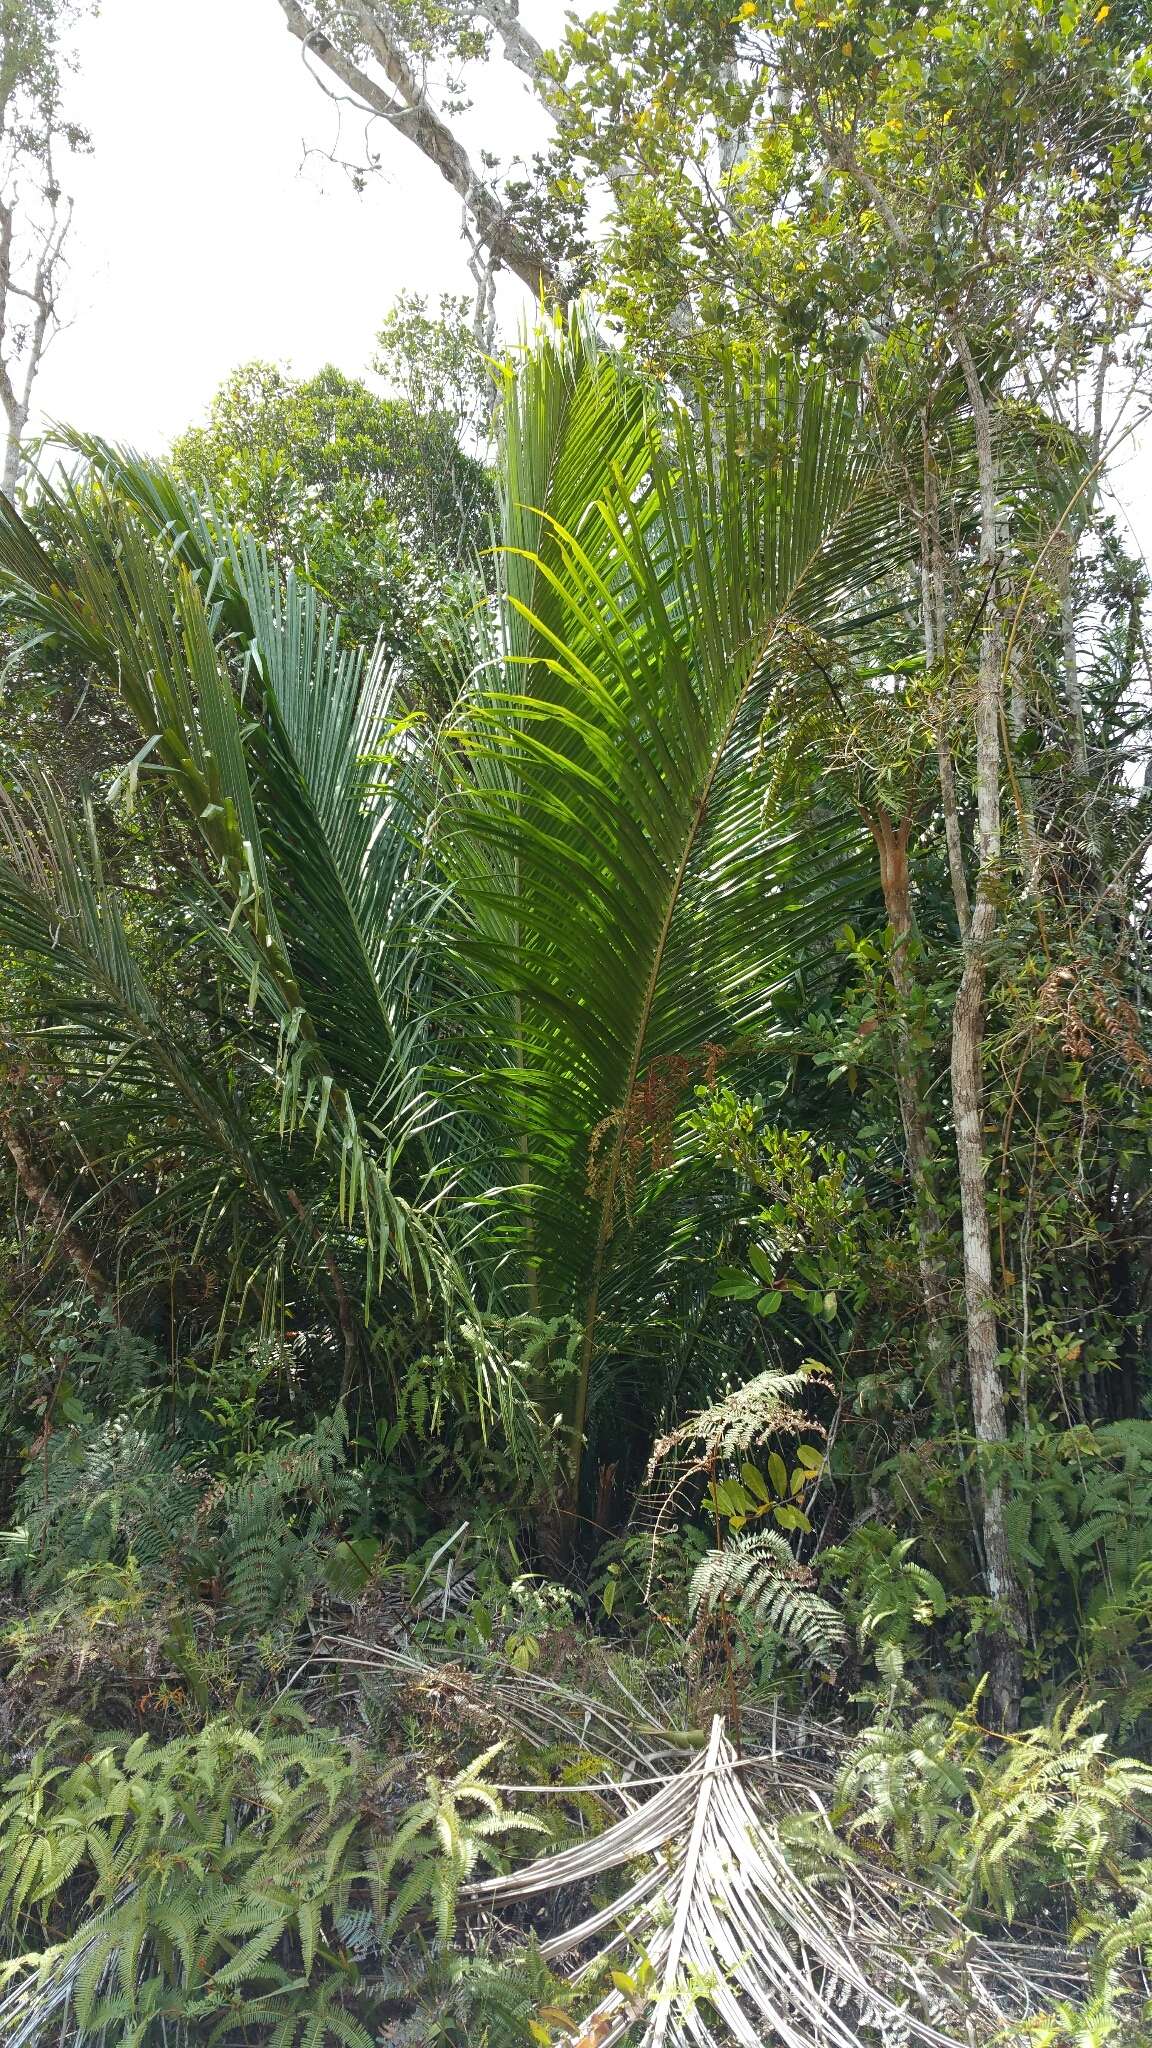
(520,45)
(410,112)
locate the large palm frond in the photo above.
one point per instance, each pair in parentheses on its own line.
(277,735)
(278,742)
(637,900)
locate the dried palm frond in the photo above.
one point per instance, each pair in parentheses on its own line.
(738,1949)
(896,1949)
(42,1999)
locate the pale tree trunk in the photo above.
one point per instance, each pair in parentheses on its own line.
(13,452)
(989,1410)
(23,341)
(989,1413)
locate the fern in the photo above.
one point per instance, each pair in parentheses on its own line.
(745,1417)
(237,1878)
(1081,1518)
(757,1578)
(274,1520)
(440,1841)
(1047,1809)
(444,1996)
(118,1494)
(98,1497)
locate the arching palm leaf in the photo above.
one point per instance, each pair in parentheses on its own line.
(637,901)
(141,1090)
(271,734)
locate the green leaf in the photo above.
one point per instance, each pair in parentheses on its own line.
(754,1480)
(736,1288)
(761,1263)
(790,1517)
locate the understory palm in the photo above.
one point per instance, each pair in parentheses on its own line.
(438,991)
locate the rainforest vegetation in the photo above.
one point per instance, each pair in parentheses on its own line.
(576,1115)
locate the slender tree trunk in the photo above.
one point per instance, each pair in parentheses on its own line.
(20,357)
(13,451)
(402,100)
(934,606)
(989,1413)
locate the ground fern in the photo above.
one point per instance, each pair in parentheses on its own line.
(758,1580)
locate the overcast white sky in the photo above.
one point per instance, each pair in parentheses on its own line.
(204,236)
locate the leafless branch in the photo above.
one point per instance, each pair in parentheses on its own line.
(403,101)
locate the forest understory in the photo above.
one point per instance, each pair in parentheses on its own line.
(575,1109)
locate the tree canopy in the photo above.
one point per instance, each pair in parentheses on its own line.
(373,498)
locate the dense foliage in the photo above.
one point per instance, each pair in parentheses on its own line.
(576,1059)
(375,498)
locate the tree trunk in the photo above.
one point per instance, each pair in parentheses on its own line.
(13,449)
(988,1406)
(989,1414)
(21,355)
(935,625)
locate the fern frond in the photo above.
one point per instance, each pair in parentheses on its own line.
(757,1577)
(745,1417)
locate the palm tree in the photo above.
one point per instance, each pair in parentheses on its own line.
(490,956)
(638,906)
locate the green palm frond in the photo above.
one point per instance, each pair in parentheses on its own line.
(280,740)
(142,1090)
(278,743)
(636,900)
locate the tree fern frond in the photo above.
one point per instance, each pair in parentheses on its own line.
(743,1418)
